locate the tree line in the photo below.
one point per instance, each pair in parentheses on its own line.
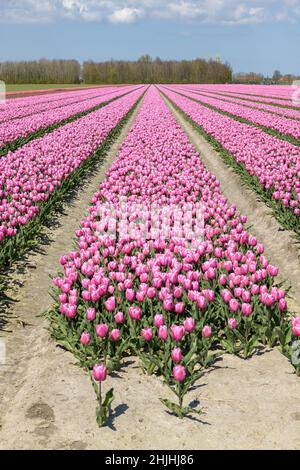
(40,71)
(147,70)
(256,78)
(144,70)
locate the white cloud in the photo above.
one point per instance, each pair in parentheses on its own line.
(128,11)
(126,15)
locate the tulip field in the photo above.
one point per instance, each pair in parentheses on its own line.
(164,268)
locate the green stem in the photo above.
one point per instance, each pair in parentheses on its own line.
(100,398)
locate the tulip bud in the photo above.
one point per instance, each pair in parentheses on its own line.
(102,330)
(232,323)
(206,332)
(159,320)
(91,314)
(179,373)
(99,373)
(85,338)
(119,318)
(189,324)
(115,335)
(147,334)
(176,355)
(163,332)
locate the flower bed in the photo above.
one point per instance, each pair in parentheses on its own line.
(279,126)
(15,133)
(37,174)
(18,108)
(175,305)
(280,96)
(269,165)
(277,110)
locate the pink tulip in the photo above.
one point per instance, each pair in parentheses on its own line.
(267,299)
(119,318)
(189,324)
(233,305)
(85,338)
(115,334)
(135,313)
(168,305)
(201,302)
(147,334)
(282,305)
(176,355)
(99,372)
(273,270)
(159,320)
(110,304)
(206,332)
(91,314)
(177,332)
(151,293)
(102,330)
(226,295)
(86,295)
(163,332)
(246,309)
(130,295)
(179,373)
(232,323)
(70,311)
(179,307)
(296,326)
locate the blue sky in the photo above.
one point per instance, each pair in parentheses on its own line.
(257,35)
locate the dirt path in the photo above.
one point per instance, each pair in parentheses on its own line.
(279,244)
(47,402)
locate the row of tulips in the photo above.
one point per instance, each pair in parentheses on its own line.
(269,165)
(283,127)
(21,107)
(175,306)
(17,129)
(247,103)
(31,177)
(264,94)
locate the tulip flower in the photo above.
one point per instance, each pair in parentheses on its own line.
(189,324)
(159,320)
(91,314)
(232,323)
(296,326)
(85,338)
(177,332)
(102,330)
(115,335)
(119,317)
(147,334)
(163,332)
(179,373)
(99,372)
(176,355)
(206,332)
(135,313)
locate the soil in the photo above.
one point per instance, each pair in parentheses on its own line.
(47,401)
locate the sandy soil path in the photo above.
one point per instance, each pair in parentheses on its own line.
(47,402)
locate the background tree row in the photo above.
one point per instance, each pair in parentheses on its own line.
(41,71)
(146,70)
